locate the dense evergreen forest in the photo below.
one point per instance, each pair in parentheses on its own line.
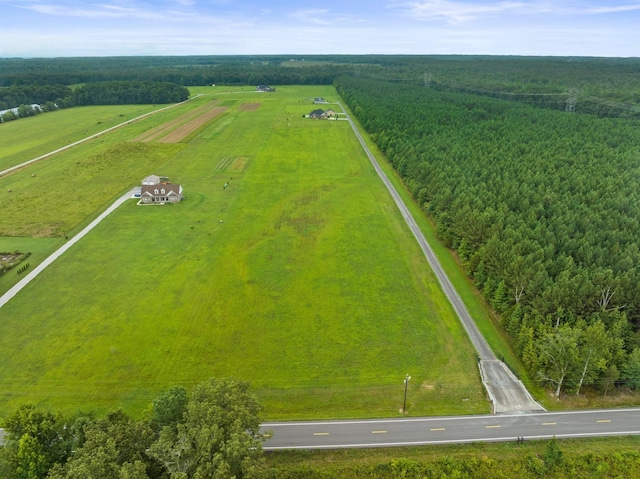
(543,209)
(52,97)
(129,92)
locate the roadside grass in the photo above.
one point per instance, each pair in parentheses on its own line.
(347,463)
(300,277)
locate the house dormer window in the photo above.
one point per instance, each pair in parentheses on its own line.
(156,191)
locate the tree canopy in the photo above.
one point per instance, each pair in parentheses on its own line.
(214,433)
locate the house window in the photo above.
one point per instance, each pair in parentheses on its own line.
(162,191)
(156,191)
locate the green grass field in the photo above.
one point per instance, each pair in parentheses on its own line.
(300,277)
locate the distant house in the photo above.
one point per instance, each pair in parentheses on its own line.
(317,114)
(265,88)
(16,111)
(319,101)
(322,114)
(157,190)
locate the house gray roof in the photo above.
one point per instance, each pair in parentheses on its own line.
(162,189)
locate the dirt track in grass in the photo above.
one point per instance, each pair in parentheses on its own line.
(250,107)
(181,127)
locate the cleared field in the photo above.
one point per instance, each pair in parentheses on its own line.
(31,137)
(183,126)
(300,276)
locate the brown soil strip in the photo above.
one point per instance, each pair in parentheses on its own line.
(238,164)
(250,107)
(165,128)
(185,130)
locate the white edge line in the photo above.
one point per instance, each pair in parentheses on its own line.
(445,418)
(451,441)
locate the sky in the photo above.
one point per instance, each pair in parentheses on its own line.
(67,28)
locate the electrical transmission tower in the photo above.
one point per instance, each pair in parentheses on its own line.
(572,99)
(427,80)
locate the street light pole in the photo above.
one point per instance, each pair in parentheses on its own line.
(406,385)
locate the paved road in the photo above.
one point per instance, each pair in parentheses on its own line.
(506,392)
(449,430)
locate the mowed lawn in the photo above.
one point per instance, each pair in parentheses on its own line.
(300,276)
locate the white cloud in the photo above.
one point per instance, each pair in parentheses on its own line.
(314,16)
(455,12)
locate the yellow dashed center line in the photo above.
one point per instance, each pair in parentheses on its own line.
(378,432)
(320,433)
(549,423)
(438,429)
(493,427)
(604,420)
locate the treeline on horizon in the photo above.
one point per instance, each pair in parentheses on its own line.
(542,208)
(52,97)
(604,86)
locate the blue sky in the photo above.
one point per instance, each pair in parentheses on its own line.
(50,28)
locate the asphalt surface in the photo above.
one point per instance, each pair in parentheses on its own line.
(506,392)
(450,430)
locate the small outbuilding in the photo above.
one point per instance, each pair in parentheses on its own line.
(151,180)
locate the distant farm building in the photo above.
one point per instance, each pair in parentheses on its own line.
(34,107)
(264,88)
(158,190)
(319,101)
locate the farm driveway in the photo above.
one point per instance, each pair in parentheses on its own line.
(38,269)
(506,392)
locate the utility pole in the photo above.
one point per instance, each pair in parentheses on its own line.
(572,99)
(406,385)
